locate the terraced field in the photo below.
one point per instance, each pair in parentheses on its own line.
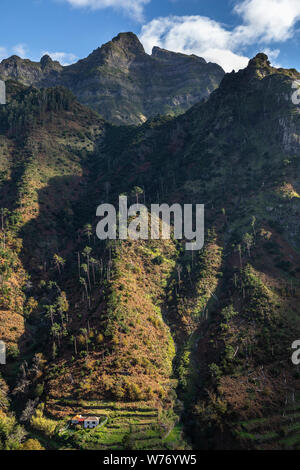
(275,432)
(124,426)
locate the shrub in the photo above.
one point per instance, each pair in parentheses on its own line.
(32,444)
(40,423)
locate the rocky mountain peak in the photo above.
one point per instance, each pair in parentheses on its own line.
(260,60)
(258,68)
(260,65)
(129,41)
(14,59)
(46,61)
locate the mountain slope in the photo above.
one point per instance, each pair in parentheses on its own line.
(123,83)
(238,303)
(75,320)
(143,332)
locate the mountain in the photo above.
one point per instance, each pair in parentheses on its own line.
(123,83)
(234,308)
(178,349)
(27,72)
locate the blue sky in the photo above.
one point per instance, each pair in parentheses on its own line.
(228,32)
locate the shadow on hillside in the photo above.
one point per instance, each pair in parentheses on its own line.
(64,207)
(190,339)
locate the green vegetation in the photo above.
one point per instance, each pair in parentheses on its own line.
(171,348)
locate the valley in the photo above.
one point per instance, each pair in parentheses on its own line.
(178,349)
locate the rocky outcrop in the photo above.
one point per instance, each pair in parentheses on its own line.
(28,72)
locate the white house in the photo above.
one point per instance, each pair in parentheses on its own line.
(91,422)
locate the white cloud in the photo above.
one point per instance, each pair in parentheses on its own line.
(193,35)
(3,53)
(267,20)
(262,22)
(65,58)
(20,50)
(272,54)
(134,8)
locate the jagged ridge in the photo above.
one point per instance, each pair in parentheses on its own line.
(123,83)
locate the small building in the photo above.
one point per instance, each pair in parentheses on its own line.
(88,422)
(78,419)
(91,422)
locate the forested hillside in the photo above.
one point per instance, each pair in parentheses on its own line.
(173,348)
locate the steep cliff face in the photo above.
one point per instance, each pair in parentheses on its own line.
(123,83)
